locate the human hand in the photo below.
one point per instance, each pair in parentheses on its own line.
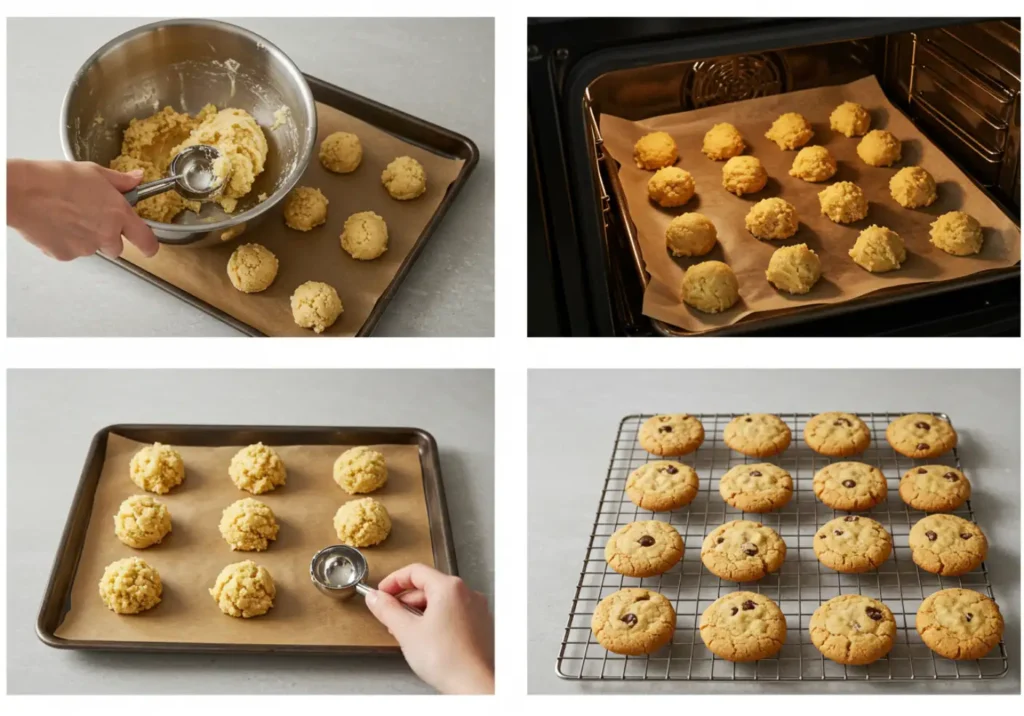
(73,209)
(451,646)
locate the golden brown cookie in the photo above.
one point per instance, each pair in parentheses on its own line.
(934,488)
(947,545)
(852,544)
(853,629)
(644,549)
(837,434)
(743,626)
(757,434)
(662,485)
(671,435)
(742,551)
(756,487)
(850,486)
(920,435)
(959,623)
(634,622)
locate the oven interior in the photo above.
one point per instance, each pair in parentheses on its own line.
(959,84)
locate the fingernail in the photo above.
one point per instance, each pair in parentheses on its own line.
(371,597)
(135,173)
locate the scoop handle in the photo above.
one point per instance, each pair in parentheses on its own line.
(364,589)
(152,188)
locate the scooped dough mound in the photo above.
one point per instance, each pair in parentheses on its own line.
(316,305)
(691,234)
(772,218)
(850,119)
(252,268)
(142,521)
(913,187)
(723,141)
(244,589)
(248,525)
(362,523)
(878,249)
(790,131)
(813,164)
(843,202)
(360,470)
(157,468)
(794,269)
(671,186)
(404,178)
(341,152)
(710,286)
(655,150)
(257,469)
(305,208)
(130,586)
(957,233)
(744,175)
(365,236)
(162,207)
(879,148)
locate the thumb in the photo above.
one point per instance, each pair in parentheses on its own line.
(390,613)
(122,181)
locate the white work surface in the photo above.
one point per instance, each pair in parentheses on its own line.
(573,421)
(52,417)
(441,70)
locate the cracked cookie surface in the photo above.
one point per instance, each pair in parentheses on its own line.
(633,622)
(959,623)
(743,626)
(836,434)
(644,549)
(853,629)
(671,435)
(742,551)
(934,488)
(852,544)
(850,486)
(759,487)
(757,434)
(920,435)
(947,545)
(662,485)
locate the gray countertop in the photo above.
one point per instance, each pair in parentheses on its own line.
(52,416)
(573,421)
(439,69)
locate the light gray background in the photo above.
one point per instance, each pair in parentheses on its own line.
(439,69)
(573,421)
(52,417)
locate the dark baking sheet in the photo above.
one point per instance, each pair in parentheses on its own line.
(56,599)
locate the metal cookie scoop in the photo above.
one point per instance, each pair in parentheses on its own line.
(191,174)
(339,571)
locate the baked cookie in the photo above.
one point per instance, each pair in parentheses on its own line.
(404,178)
(671,435)
(814,164)
(157,468)
(743,626)
(691,234)
(341,152)
(633,622)
(957,233)
(742,551)
(252,268)
(305,209)
(879,148)
(744,175)
(316,305)
(671,186)
(360,470)
(852,544)
(793,269)
(244,589)
(837,434)
(850,486)
(662,485)
(757,434)
(142,521)
(843,202)
(959,624)
(920,435)
(759,487)
(362,523)
(248,525)
(790,131)
(130,586)
(257,469)
(934,488)
(878,249)
(947,545)
(850,119)
(723,141)
(644,549)
(364,236)
(710,286)
(772,218)
(853,629)
(655,150)
(913,187)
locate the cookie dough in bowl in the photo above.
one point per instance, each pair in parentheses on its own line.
(142,521)
(130,586)
(257,469)
(691,234)
(341,152)
(655,150)
(790,131)
(305,208)
(878,249)
(710,286)
(248,525)
(362,523)
(723,141)
(364,236)
(772,218)
(794,269)
(957,233)
(843,202)
(157,468)
(671,186)
(244,590)
(316,305)
(744,175)
(252,268)
(360,470)
(404,178)
(850,119)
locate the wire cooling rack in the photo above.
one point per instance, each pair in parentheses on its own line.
(799,588)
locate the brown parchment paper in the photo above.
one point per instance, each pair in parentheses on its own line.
(192,555)
(842,280)
(317,255)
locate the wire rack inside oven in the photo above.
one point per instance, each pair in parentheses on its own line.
(798,588)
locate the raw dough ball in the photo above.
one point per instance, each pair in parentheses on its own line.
(850,119)
(305,208)
(790,131)
(772,218)
(843,202)
(248,525)
(913,187)
(364,236)
(244,589)
(142,521)
(744,175)
(691,234)
(257,469)
(794,269)
(316,305)
(671,186)
(404,178)
(813,164)
(723,141)
(362,523)
(341,152)
(157,468)
(252,268)
(878,249)
(130,586)
(360,470)
(710,286)
(879,148)
(655,150)
(957,233)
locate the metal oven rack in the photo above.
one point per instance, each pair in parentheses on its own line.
(799,587)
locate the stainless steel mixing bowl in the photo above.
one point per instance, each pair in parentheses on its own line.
(187,64)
